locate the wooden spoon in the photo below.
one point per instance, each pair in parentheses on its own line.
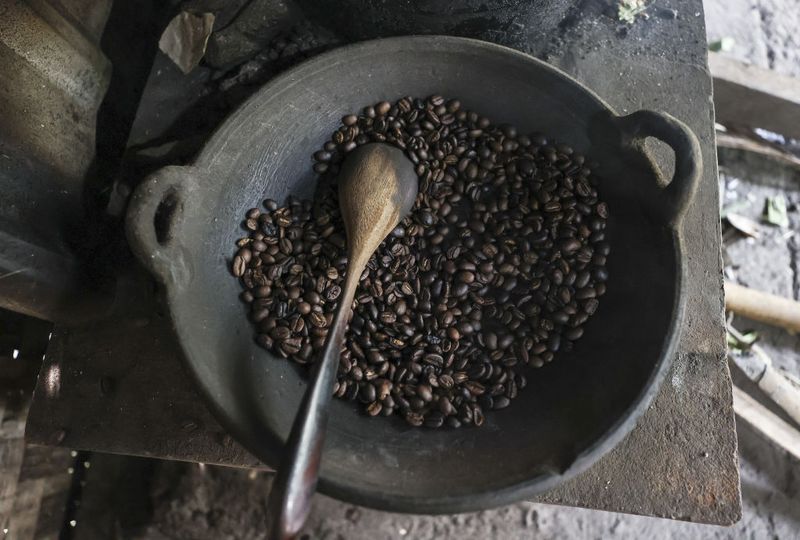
(377,189)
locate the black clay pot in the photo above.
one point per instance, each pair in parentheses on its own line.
(573,410)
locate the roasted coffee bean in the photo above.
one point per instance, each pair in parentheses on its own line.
(318,319)
(560,317)
(265,341)
(579,319)
(434,419)
(281,333)
(499,265)
(477,416)
(298,325)
(570,245)
(505,341)
(383,387)
(367,393)
(490,341)
(238,266)
(446,406)
(424,391)
(332,293)
(501,402)
(573,333)
(434,359)
(586,292)
(486,401)
(415,419)
(383,108)
(374,408)
(466,277)
(554,342)
(582,279)
(599,273)
(291,345)
(475,388)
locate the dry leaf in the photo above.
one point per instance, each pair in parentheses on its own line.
(744,225)
(185,39)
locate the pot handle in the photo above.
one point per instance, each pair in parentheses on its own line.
(154,220)
(688,156)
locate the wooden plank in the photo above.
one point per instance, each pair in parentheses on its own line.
(766,422)
(764,307)
(759,98)
(34,481)
(11,454)
(51,513)
(25,514)
(34,507)
(737,142)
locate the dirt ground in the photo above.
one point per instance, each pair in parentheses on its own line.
(764,32)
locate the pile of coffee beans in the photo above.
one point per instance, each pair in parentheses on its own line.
(498,267)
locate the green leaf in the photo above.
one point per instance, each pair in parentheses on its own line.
(627,10)
(742,341)
(725,44)
(748,338)
(775,211)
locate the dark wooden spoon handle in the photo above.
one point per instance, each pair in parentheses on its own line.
(296,480)
(377,187)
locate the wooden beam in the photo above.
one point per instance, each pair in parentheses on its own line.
(737,142)
(760,306)
(765,421)
(752,96)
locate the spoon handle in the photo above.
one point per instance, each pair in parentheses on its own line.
(296,480)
